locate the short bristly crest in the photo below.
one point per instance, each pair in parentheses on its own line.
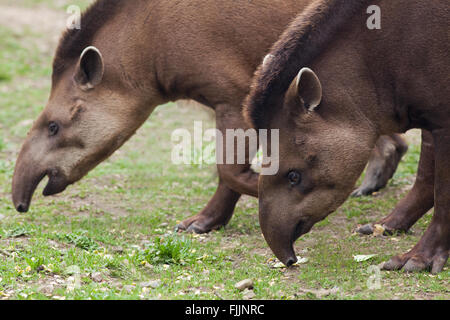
(74,41)
(306,37)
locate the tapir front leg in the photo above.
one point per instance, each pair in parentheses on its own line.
(234,180)
(383,163)
(432,251)
(216,214)
(418,201)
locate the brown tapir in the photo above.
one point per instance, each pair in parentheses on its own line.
(365,83)
(131,56)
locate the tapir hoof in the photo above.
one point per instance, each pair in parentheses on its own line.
(198,224)
(370,229)
(191,229)
(430,253)
(417,263)
(366,229)
(363,191)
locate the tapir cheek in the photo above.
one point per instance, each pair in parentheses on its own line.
(318,204)
(68,138)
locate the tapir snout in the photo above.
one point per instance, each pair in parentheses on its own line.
(29,173)
(281,232)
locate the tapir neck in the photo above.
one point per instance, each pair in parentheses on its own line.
(209,50)
(166,50)
(396,75)
(357,71)
(129,50)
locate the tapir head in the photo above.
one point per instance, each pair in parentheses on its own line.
(321,157)
(88,116)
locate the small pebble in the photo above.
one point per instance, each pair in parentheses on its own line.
(153,284)
(244,284)
(96,277)
(128,288)
(117,249)
(46,289)
(248,294)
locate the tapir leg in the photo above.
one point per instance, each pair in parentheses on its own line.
(432,251)
(216,214)
(383,163)
(235,179)
(418,201)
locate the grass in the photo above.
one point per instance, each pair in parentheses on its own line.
(170,249)
(118,222)
(79,240)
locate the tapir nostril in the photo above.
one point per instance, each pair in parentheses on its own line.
(21,208)
(290,262)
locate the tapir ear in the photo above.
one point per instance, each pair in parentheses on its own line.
(90,68)
(309,88)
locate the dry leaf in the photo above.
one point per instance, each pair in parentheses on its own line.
(363,257)
(321,292)
(378,230)
(280,265)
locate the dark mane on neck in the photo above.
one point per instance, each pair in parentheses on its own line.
(74,41)
(306,37)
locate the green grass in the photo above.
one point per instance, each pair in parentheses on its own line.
(118,222)
(78,239)
(170,249)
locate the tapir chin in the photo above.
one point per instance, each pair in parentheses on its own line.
(131,56)
(332,86)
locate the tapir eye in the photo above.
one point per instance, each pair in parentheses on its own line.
(53,128)
(294,178)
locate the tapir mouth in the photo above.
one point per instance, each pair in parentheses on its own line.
(57,183)
(301,228)
(299,231)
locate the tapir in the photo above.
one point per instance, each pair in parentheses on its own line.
(332,86)
(131,56)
